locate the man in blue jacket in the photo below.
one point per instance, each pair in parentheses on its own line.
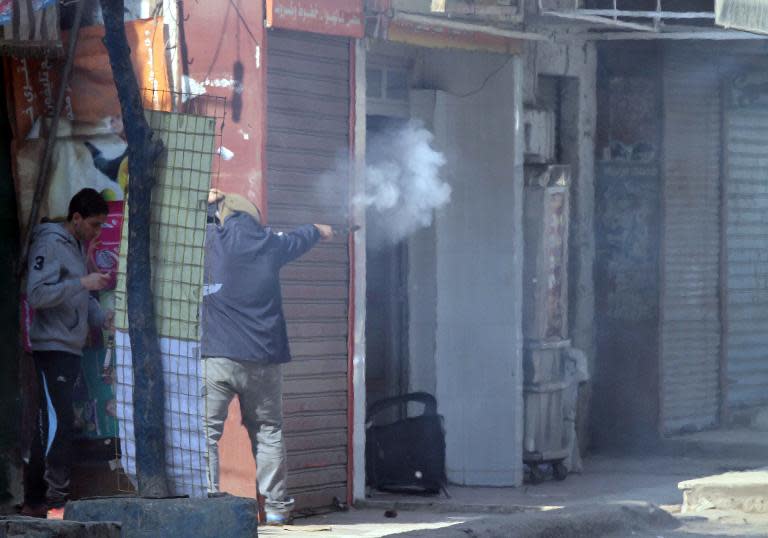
(244,338)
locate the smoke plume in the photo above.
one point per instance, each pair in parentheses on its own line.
(403,184)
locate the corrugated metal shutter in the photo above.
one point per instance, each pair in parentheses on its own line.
(690,311)
(307,136)
(747,250)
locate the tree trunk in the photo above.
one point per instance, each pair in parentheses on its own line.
(143,151)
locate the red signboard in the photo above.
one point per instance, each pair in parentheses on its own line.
(332,17)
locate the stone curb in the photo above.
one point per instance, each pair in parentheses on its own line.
(18,526)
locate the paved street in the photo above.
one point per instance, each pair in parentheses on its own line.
(606,481)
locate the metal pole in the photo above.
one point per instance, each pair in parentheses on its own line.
(517,177)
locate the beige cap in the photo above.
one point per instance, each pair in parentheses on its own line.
(235,203)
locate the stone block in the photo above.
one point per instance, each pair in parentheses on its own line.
(740,491)
(145,518)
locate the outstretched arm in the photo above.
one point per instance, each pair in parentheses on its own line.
(301,240)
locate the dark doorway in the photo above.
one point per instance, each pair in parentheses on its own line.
(625,400)
(10,392)
(386,326)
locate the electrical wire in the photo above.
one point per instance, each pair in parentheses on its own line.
(487,80)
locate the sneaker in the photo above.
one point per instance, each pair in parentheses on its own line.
(56,513)
(278,519)
(33,510)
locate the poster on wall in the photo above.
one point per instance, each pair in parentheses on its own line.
(90,151)
(90,147)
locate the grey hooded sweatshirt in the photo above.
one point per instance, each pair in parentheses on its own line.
(64,309)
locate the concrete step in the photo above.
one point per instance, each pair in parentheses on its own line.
(216,517)
(732,444)
(745,491)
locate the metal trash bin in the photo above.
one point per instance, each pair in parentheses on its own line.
(544,386)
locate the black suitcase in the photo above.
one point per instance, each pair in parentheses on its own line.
(408,454)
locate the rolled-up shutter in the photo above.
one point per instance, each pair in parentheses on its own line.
(307,140)
(690,311)
(746,191)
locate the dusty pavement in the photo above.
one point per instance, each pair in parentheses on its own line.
(710,525)
(606,482)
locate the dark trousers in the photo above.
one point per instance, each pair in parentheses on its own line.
(46,476)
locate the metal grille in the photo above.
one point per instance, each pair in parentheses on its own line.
(746,193)
(308,132)
(690,309)
(30,28)
(627,14)
(178,221)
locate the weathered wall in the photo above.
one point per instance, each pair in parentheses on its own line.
(422,284)
(579,61)
(478,264)
(220,50)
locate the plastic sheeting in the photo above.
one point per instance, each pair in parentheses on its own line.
(185,448)
(576,368)
(177,231)
(749,15)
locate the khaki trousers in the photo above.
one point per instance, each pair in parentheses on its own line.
(260,390)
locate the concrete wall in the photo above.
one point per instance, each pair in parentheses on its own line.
(465,272)
(477,262)
(422,284)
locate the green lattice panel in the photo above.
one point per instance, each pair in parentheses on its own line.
(178,224)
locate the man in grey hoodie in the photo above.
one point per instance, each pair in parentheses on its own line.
(59,290)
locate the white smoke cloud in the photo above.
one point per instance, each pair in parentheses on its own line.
(403,183)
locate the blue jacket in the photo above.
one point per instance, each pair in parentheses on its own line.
(242,315)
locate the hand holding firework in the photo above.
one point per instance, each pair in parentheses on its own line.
(326,232)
